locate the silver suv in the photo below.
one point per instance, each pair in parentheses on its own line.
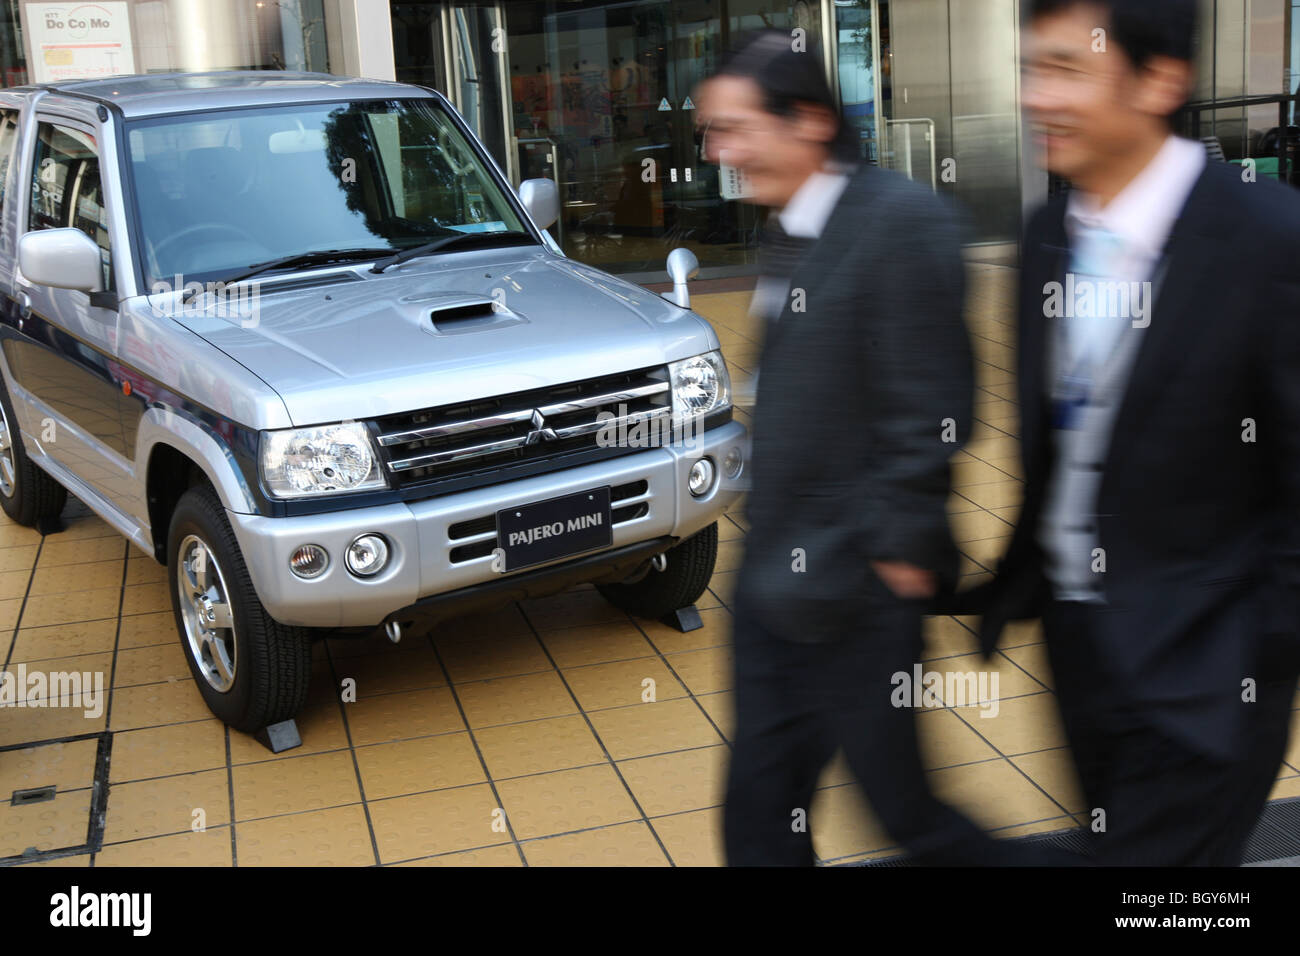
(296,338)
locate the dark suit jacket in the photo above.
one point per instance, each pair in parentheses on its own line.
(850,461)
(1200,528)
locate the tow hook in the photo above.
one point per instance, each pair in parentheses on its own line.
(659,562)
(394,631)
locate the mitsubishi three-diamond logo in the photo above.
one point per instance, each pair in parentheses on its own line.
(540,430)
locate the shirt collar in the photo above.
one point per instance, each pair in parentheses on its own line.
(809,209)
(1144,212)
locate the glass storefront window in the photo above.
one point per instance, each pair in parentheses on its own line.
(597,96)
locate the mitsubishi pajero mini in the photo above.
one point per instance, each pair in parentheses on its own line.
(298,340)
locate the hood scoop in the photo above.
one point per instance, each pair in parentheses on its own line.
(471,313)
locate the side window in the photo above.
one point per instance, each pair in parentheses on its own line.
(66,189)
(8,135)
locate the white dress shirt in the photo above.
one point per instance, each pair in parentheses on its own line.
(1122,242)
(804,216)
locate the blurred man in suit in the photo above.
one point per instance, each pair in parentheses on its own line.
(865,391)
(1159,385)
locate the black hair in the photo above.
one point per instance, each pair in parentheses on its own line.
(788,77)
(1141,28)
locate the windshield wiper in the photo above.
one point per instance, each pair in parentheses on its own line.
(429,248)
(320,257)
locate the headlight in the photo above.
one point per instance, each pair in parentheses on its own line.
(700,385)
(327,459)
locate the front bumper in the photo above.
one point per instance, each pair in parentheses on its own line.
(432,556)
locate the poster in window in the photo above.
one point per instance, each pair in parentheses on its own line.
(72,41)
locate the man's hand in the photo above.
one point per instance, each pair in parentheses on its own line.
(907,581)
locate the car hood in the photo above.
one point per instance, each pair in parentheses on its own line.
(440,331)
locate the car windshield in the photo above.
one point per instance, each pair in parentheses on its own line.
(220,192)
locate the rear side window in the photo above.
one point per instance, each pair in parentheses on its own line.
(66,188)
(8,136)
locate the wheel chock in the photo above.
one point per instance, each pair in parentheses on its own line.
(280,737)
(684,619)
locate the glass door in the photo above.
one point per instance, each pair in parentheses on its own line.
(459,49)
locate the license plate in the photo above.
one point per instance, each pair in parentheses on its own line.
(555,528)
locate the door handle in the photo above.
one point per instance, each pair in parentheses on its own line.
(24,305)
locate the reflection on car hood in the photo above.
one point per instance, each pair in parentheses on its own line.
(360,349)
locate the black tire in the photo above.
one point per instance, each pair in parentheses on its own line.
(271,661)
(680,584)
(31,495)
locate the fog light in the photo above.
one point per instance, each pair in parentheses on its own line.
(701,479)
(309,561)
(367,555)
(733,462)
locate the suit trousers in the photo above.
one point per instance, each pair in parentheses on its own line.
(1161,803)
(796,702)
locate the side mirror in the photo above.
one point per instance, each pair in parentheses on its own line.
(682,267)
(542,200)
(62,258)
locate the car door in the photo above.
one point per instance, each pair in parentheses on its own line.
(62,358)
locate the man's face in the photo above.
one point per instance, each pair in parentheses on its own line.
(776,153)
(1088,102)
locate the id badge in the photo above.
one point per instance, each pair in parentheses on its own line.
(1069,401)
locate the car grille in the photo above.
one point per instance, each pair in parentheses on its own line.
(477,537)
(541,426)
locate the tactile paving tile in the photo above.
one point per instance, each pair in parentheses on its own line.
(167,805)
(63,640)
(40,724)
(512,699)
(334,837)
(210,847)
(721,709)
(156,664)
(567,800)
(462,818)
(621,683)
(945,740)
(65,766)
(968,788)
(151,705)
(1020,725)
(507,854)
(373,720)
(506,656)
(631,844)
(677,782)
(692,839)
(387,672)
(705,671)
(413,766)
(644,729)
(596,644)
(162,751)
(51,825)
(538,746)
(313,782)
